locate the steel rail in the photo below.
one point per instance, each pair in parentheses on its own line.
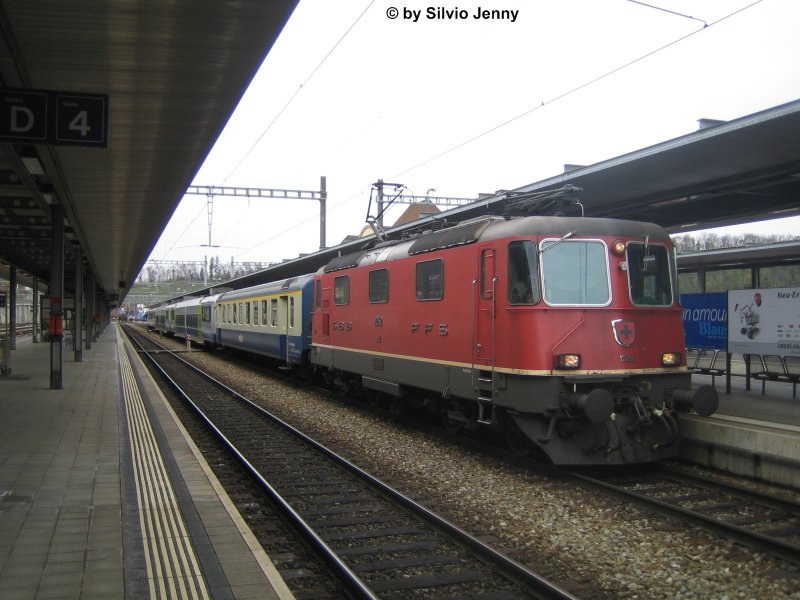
(749,537)
(514,570)
(352,582)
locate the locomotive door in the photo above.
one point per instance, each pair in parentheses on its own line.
(486,288)
(323,299)
(483,360)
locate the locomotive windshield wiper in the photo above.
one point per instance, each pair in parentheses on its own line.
(566,236)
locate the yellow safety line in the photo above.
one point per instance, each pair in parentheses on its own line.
(172,567)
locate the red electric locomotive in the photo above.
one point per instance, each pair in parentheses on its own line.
(564,332)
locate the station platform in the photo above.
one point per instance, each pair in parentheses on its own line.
(752,433)
(103,494)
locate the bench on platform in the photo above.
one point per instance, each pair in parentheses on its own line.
(784,369)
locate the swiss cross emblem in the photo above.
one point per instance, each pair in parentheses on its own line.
(624,332)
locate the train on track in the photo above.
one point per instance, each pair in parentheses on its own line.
(560,332)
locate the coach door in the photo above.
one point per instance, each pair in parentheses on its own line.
(290,304)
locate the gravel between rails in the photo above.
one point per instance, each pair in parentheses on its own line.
(591,545)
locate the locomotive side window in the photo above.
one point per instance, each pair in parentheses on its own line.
(341,290)
(430,280)
(523,283)
(575,272)
(379,286)
(649,274)
(318,294)
(487,274)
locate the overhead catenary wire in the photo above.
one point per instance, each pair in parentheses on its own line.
(574,90)
(499,126)
(297,91)
(672,12)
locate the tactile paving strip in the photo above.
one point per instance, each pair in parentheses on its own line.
(173,570)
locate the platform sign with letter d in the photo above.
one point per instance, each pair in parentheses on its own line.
(49,117)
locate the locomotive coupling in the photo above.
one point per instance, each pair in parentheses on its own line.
(703,400)
(597,405)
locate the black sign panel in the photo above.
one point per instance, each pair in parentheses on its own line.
(23,115)
(48,117)
(81,119)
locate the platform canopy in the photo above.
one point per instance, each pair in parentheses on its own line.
(173,72)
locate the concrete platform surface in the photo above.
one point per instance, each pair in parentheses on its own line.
(85,510)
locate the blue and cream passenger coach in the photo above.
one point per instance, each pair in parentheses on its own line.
(272,319)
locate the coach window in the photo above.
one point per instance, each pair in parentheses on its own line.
(265,312)
(341,290)
(247,313)
(255,312)
(523,282)
(291,312)
(430,280)
(379,286)
(273,306)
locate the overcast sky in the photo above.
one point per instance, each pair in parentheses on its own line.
(466,105)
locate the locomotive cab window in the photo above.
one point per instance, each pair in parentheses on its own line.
(523,282)
(575,272)
(341,290)
(430,280)
(379,286)
(649,274)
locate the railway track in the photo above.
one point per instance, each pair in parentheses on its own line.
(378,542)
(765,522)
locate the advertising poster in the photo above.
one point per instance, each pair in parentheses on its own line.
(764,321)
(705,320)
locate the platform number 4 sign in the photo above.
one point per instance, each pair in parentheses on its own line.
(80,119)
(50,117)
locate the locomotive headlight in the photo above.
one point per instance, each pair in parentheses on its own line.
(671,359)
(618,247)
(568,361)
